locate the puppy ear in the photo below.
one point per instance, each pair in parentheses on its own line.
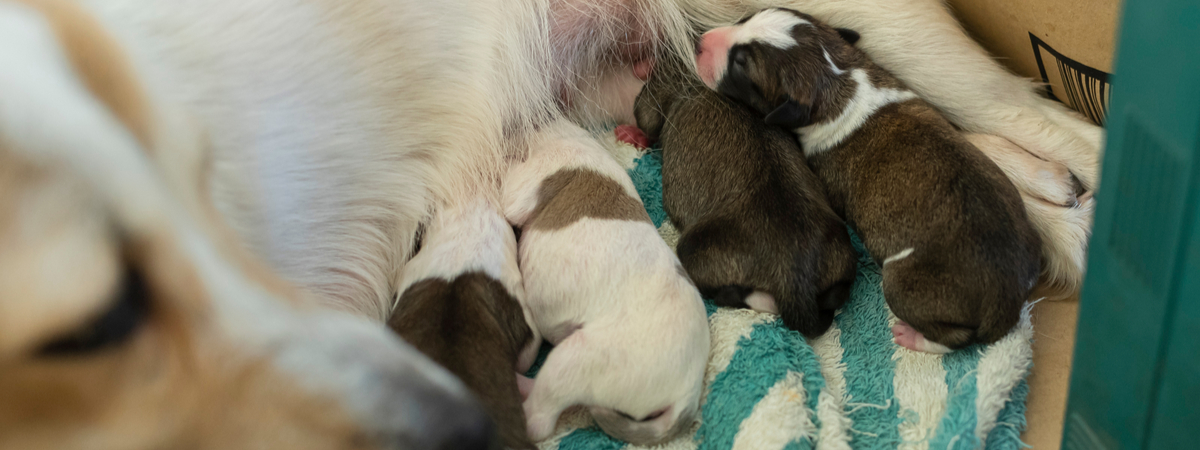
(848,35)
(790,115)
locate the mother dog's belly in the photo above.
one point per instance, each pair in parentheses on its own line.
(333,125)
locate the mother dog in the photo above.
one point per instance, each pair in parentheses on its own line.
(323,133)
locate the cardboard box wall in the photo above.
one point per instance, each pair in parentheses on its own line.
(1067,44)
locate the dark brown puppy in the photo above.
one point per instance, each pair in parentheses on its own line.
(959,255)
(757,230)
(474,328)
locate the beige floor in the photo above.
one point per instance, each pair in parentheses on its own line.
(1054,342)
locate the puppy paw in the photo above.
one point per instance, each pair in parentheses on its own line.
(906,336)
(539,426)
(632,135)
(524,385)
(762,302)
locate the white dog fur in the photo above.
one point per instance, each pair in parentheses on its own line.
(629,327)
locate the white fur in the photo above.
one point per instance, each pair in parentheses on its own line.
(334,131)
(630,330)
(762,302)
(898,256)
(833,67)
(822,136)
(771,28)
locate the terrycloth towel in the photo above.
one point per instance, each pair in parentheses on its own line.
(852,388)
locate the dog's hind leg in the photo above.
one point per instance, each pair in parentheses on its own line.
(563,381)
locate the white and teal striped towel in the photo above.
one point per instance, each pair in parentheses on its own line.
(767,388)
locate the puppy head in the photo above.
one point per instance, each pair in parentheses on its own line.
(641,380)
(128,317)
(780,62)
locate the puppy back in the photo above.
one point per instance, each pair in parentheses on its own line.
(473,327)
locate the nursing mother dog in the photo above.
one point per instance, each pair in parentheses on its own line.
(324,133)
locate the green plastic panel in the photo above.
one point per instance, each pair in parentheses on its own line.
(1135,382)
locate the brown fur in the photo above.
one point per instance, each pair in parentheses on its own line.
(475,328)
(572,194)
(908,179)
(752,214)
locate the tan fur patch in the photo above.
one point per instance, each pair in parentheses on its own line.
(572,194)
(100,63)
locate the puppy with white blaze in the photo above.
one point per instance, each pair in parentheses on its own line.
(958,253)
(629,327)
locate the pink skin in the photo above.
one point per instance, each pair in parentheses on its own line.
(908,337)
(524,385)
(713,54)
(632,135)
(572,24)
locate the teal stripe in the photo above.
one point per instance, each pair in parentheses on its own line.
(957,428)
(761,361)
(866,350)
(590,438)
(1010,422)
(647,178)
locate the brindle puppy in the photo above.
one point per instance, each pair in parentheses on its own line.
(959,254)
(757,230)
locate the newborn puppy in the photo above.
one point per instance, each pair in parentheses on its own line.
(629,327)
(757,230)
(460,307)
(959,255)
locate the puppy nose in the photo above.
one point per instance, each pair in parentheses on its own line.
(705,41)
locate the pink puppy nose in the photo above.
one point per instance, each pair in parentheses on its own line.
(709,55)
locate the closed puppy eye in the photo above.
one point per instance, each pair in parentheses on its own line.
(652,416)
(126,313)
(740,57)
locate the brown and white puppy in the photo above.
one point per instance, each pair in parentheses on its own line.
(757,230)
(460,307)
(629,328)
(958,253)
(131,318)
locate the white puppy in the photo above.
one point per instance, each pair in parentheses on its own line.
(630,328)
